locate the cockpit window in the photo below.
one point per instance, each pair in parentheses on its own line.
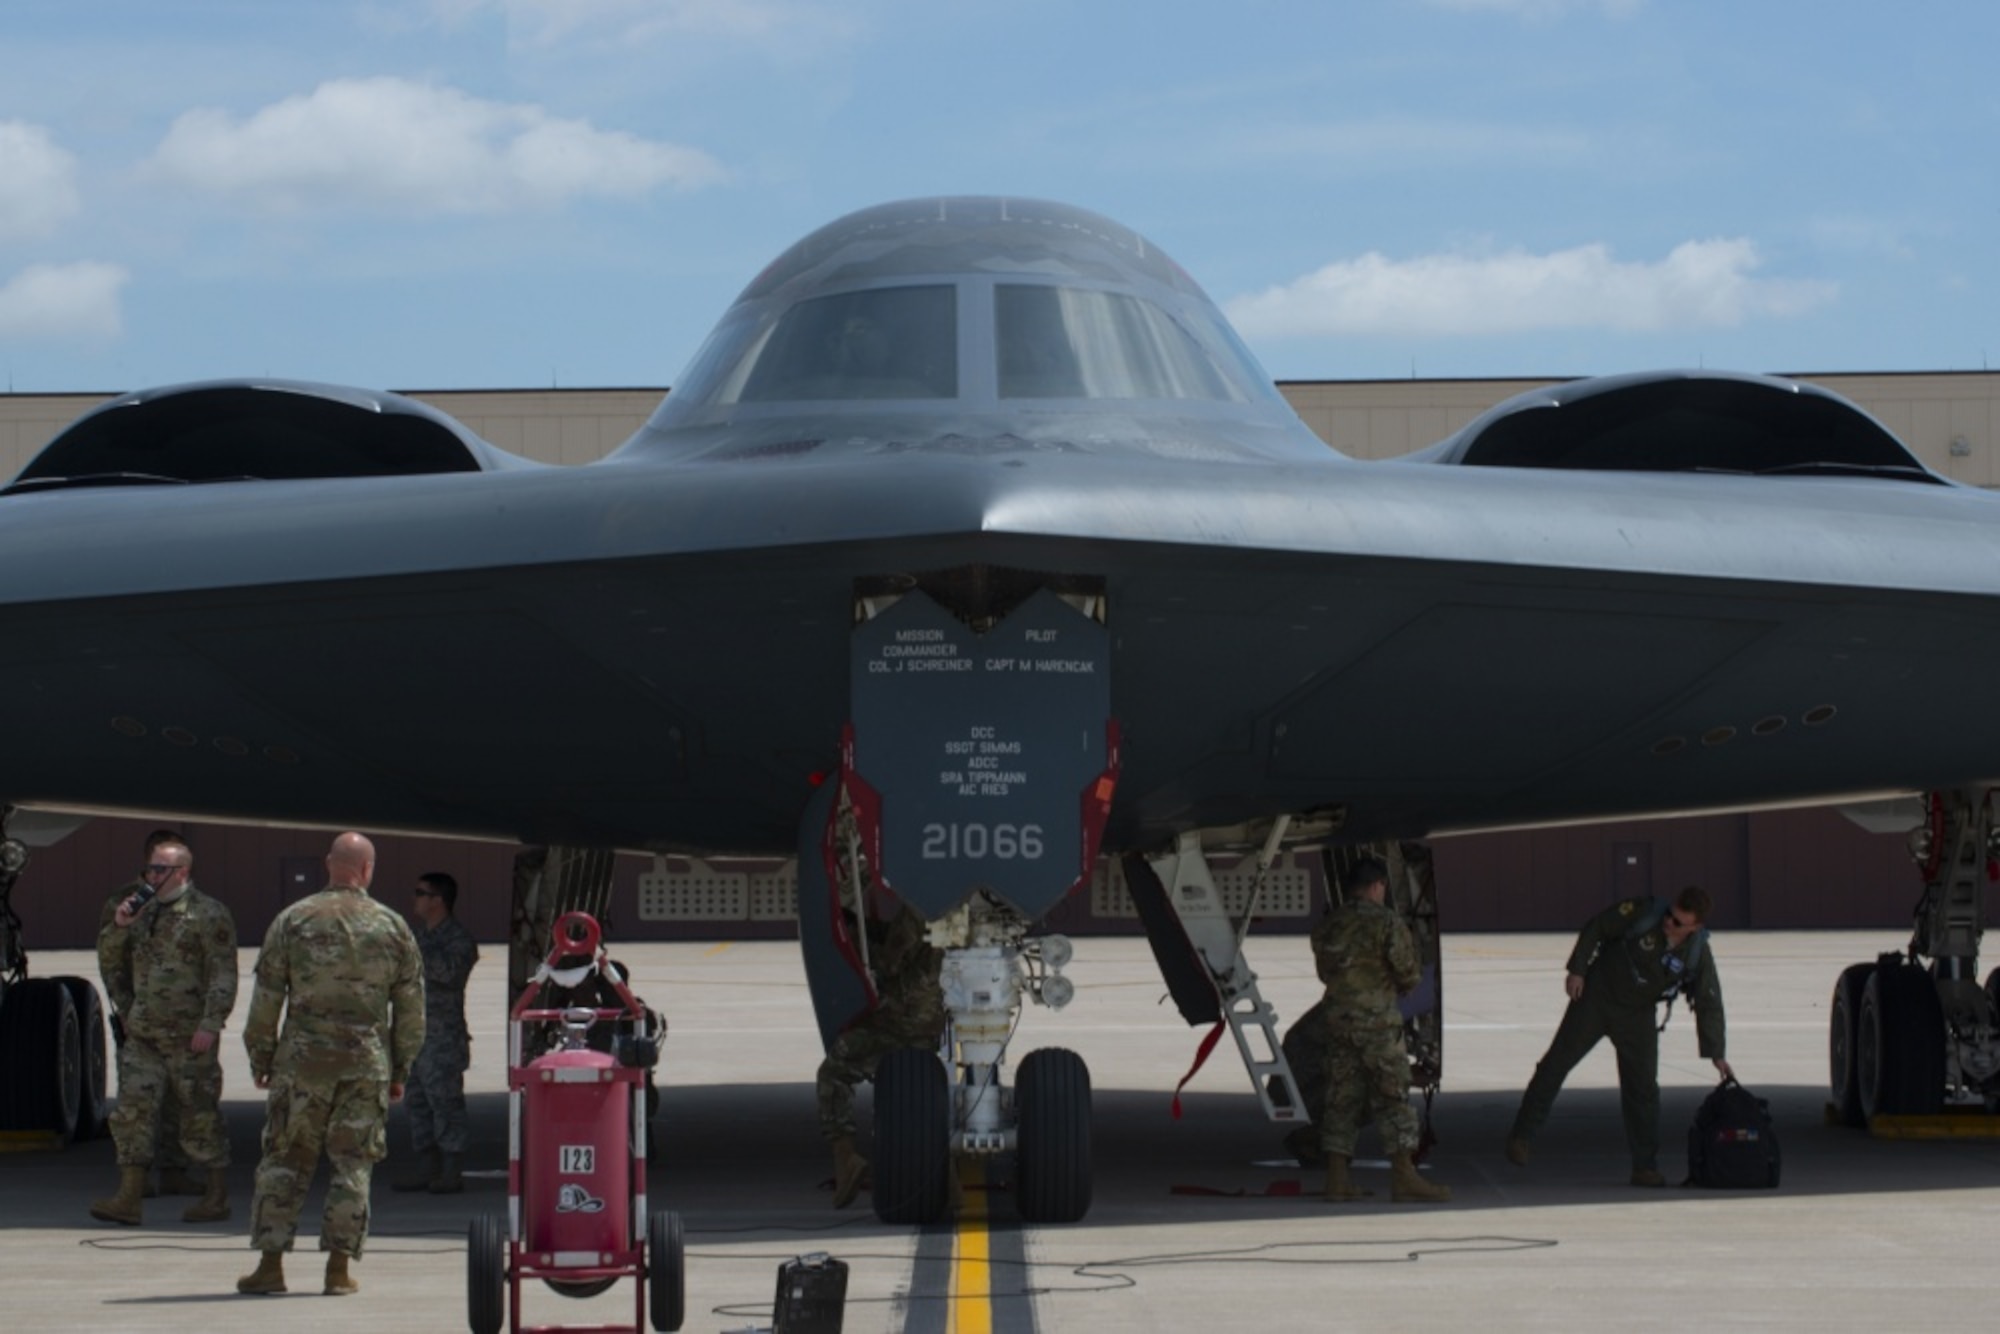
(893,342)
(1067,342)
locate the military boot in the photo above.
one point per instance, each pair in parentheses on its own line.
(1339,1187)
(1406,1187)
(338,1282)
(213,1206)
(422,1178)
(850,1170)
(128,1205)
(450,1179)
(177,1181)
(268,1277)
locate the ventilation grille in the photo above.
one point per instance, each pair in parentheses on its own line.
(1288,888)
(696,891)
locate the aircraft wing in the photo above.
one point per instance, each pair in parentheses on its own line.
(298,603)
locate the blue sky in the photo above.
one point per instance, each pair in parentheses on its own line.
(437,194)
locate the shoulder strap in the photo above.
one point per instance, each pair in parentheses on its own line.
(1655,913)
(1695,948)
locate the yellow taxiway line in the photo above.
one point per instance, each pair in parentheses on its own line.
(969,1305)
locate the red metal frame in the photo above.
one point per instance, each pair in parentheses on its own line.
(521,1264)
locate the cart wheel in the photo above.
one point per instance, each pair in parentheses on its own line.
(666,1262)
(1052,1092)
(93,1112)
(485,1275)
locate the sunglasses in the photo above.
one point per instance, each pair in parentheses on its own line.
(161,868)
(1678,922)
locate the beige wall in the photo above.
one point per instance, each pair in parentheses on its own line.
(29,421)
(1363,418)
(1379,419)
(551,425)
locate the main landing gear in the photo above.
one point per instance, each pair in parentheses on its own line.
(53,1046)
(1906,1035)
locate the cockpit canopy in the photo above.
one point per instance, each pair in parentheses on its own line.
(972,301)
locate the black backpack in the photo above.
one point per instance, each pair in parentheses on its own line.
(1732,1144)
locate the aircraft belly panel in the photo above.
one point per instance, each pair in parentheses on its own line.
(1479,695)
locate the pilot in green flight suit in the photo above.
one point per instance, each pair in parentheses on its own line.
(1627,959)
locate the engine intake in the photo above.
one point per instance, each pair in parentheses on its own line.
(1685,421)
(237,430)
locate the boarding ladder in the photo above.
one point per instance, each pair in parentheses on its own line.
(1253,1023)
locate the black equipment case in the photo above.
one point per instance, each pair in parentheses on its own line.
(1732,1144)
(812,1294)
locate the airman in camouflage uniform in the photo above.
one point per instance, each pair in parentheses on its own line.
(1626,959)
(908,1012)
(170,967)
(169,1158)
(436,1100)
(1304,1046)
(345,973)
(1367,958)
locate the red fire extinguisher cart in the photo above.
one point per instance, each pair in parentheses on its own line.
(576,1158)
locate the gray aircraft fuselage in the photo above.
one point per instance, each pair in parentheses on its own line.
(384,623)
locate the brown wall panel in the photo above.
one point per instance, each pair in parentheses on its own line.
(1769,870)
(63,889)
(1815,868)
(1772,870)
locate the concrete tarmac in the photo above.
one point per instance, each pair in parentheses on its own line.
(1198,1223)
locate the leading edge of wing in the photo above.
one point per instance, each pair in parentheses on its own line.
(1815,531)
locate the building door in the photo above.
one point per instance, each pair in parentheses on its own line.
(1631,870)
(298,877)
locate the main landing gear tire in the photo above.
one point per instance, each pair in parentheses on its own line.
(1843,1030)
(666,1266)
(912,1131)
(485,1275)
(1052,1149)
(43,1045)
(93,1107)
(1899,1044)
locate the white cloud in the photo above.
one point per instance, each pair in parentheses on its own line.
(392,145)
(37,182)
(1701,284)
(62,301)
